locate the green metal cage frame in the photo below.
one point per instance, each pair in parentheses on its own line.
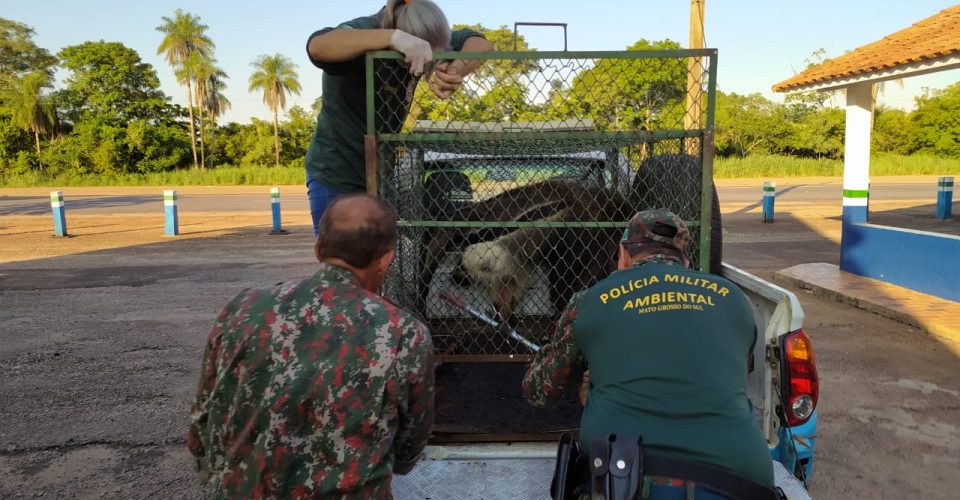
(706,134)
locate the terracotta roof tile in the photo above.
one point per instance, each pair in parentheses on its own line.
(934,37)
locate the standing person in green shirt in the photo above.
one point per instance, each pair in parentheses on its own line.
(415,28)
(667,349)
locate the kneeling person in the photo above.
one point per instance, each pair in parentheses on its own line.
(667,350)
(317,388)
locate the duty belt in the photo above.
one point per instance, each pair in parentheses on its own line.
(615,468)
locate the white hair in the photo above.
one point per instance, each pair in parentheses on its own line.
(420,18)
(504,265)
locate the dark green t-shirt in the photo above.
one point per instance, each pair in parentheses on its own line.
(667,348)
(336,153)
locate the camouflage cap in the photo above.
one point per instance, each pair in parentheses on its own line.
(661,226)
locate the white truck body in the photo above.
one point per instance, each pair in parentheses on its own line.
(520,471)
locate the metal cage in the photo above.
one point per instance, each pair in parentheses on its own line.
(513,193)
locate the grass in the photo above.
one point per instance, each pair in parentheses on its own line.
(786,166)
(756,166)
(220,176)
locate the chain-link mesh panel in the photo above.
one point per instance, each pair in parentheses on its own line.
(513,193)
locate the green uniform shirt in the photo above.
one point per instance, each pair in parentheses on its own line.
(311,389)
(667,348)
(335,156)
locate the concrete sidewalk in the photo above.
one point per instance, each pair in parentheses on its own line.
(939,317)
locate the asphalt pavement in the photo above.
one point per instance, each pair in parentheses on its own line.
(126,201)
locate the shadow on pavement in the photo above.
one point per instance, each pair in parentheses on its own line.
(101,353)
(38,205)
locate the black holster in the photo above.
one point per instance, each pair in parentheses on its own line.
(613,468)
(616,467)
(570,472)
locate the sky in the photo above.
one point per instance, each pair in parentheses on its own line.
(760,43)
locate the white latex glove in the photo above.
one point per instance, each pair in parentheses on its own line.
(418,51)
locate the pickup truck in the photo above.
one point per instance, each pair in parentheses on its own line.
(783,390)
(477,460)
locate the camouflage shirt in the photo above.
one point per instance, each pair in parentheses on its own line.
(312,389)
(560,365)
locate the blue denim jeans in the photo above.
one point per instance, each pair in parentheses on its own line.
(320,196)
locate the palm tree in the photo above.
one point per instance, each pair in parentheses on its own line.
(29,108)
(183,37)
(210,86)
(202,68)
(275,76)
(215,103)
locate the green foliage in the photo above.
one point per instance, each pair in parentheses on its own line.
(109,79)
(767,166)
(186,46)
(116,126)
(23,100)
(892,131)
(183,36)
(13,141)
(627,94)
(495,91)
(275,76)
(220,176)
(18,54)
(120,119)
(746,124)
(798,105)
(937,122)
(296,132)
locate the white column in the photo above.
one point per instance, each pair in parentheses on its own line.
(856,165)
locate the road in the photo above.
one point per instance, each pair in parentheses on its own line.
(103,334)
(126,201)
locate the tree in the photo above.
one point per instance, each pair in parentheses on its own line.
(18,54)
(936,122)
(893,132)
(275,76)
(800,104)
(496,91)
(215,102)
(120,119)
(204,69)
(110,79)
(185,36)
(297,132)
(29,109)
(627,94)
(745,124)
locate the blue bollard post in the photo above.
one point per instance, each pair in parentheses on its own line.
(172,224)
(945,198)
(769,196)
(59,215)
(275,209)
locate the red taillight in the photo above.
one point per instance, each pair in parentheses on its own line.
(801,387)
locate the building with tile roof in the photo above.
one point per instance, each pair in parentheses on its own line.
(930,45)
(923,261)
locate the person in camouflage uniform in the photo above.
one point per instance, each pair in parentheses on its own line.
(667,349)
(317,388)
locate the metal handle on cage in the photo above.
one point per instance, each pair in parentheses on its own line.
(564,25)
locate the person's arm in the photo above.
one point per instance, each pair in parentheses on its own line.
(339,45)
(335,49)
(201,410)
(448,77)
(208,378)
(558,365)
(415,372)
(473,44)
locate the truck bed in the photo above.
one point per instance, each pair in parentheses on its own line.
(455,468)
